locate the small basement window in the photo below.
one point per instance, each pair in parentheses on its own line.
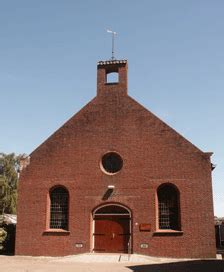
(113,77)
(112,162)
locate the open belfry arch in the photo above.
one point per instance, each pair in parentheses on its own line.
(115,178)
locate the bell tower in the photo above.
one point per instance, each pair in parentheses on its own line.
(104,69)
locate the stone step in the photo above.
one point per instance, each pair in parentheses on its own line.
(112,258)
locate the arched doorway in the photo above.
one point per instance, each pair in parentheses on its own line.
(112,229)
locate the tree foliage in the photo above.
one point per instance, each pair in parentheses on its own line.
(9,167)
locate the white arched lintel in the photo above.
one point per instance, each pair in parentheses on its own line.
(112,204)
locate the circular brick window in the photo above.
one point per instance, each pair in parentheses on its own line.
(112,162)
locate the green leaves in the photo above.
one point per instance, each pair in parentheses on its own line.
(9,182)
(3,235)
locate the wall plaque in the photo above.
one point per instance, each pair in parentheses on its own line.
(145,227)
(144,245)
(79,245)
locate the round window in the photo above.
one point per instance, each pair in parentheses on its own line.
(112,162)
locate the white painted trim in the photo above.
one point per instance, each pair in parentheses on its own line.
(112,204)
(102,214)
(93,231)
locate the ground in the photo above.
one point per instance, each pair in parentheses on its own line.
(106,264)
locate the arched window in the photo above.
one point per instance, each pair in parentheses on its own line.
(168,207)
(112,77)
(59,208)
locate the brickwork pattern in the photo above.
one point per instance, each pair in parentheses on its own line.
(152,153)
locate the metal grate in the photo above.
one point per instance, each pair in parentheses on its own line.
(168,208)
(59,209)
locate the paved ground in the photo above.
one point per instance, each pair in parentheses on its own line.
(107,263)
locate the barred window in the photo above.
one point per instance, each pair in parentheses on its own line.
(168,202)
(59,208)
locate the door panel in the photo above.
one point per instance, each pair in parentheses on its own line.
(111,234)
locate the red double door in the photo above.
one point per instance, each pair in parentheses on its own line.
(112,234)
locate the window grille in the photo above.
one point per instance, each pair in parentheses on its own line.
(168,200)
(59,209)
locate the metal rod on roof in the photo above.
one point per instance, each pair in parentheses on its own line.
(113,34)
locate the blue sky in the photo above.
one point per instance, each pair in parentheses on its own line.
(48,55)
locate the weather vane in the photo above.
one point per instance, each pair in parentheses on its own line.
(113,34)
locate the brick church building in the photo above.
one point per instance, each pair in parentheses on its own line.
(115,178)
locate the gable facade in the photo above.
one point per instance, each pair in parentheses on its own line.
(115,178)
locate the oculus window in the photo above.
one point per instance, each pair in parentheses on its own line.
(111,162)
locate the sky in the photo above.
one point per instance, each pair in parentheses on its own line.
(175,49)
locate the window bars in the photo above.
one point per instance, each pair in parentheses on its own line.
(168,208)
(59,209)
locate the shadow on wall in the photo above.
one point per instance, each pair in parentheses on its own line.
(186,266)
(9,243)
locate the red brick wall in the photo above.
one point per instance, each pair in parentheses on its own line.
(152,153)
